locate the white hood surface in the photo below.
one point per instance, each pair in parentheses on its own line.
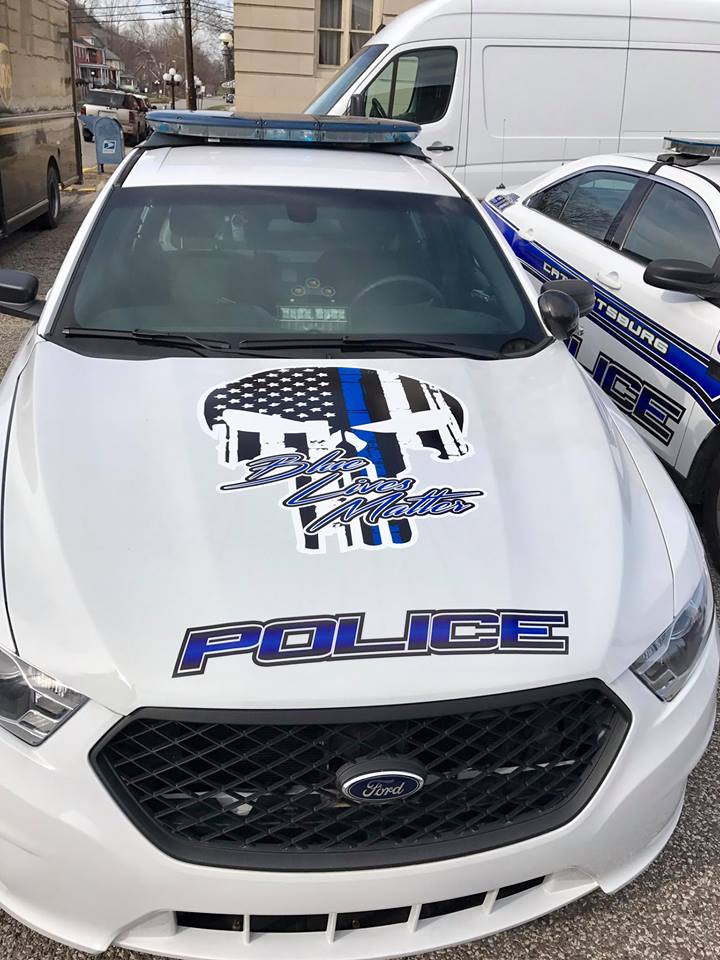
(118,538)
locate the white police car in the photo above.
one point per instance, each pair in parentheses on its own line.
(645,233)
(344,615)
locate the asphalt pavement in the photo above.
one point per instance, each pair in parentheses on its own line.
(672,912)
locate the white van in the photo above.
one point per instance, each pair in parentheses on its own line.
(507,89)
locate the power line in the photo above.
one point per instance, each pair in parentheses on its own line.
(85,20)
(127,7)
(126,10)
(204,15)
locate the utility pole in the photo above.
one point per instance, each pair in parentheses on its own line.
(189,59)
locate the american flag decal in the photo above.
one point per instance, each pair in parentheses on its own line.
(375,414)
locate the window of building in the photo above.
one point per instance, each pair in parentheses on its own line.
(344,26)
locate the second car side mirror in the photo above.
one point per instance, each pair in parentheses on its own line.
(356,105)
(18,295)
(560,313)
(685,276)
(582,292)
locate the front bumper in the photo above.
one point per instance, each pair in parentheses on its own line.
(73,867)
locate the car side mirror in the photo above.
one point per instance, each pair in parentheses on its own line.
(560,313)
(582,292)
(685,276)
(356,105)
(18,295)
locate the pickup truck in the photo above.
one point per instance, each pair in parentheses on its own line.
(129,110)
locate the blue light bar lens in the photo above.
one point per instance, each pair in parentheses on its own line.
(700,148)
(301,128)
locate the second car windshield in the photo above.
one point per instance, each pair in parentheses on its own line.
(252,262)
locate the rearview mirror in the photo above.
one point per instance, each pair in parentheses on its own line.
(18,295)
(356,106)
(581,292)
(685,276)
(560,313)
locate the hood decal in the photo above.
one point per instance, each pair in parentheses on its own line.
(340,439)
(340,637)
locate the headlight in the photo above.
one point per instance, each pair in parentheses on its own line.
(667,663)
(32,704)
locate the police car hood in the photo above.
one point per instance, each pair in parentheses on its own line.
(136,550)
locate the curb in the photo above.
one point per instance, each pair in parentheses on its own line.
(92,183)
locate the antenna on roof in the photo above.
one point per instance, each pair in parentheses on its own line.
(501,185)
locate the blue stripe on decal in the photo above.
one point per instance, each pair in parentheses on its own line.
(357,412)
(683,363)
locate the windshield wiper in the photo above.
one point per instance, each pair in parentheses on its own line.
(268,346)
(407,345)
(198,345)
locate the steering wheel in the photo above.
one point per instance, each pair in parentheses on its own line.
(378,108)
(420,282)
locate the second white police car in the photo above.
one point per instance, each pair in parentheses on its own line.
(344,615)
(645,233)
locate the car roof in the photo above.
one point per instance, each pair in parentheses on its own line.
(212,165)
(702,178)
(710,170)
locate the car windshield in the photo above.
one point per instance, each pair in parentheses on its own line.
(345,78)
(253,262)
(105,98)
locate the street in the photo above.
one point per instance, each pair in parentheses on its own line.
(671,912)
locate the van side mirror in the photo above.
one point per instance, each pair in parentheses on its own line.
(685,276)
(18,295)
(560,313)
(582,292)
(356,106)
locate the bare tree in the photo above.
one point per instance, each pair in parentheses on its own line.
(149,42)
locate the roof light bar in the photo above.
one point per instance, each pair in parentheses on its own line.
(694,148)
(215,126)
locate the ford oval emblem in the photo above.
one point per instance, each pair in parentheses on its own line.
(374,782)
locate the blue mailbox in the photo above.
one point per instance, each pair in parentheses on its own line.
(109,142)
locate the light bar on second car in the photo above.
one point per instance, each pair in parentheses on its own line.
(279,128)
(696,148)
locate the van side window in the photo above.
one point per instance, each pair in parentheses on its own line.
(415,86)
(671,224)
(589,203)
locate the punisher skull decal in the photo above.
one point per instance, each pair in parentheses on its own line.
(338,440)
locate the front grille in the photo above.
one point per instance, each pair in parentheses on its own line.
(258,789)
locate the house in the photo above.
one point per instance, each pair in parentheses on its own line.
(96,65)
(91,66)
(116,67)
(287,50)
